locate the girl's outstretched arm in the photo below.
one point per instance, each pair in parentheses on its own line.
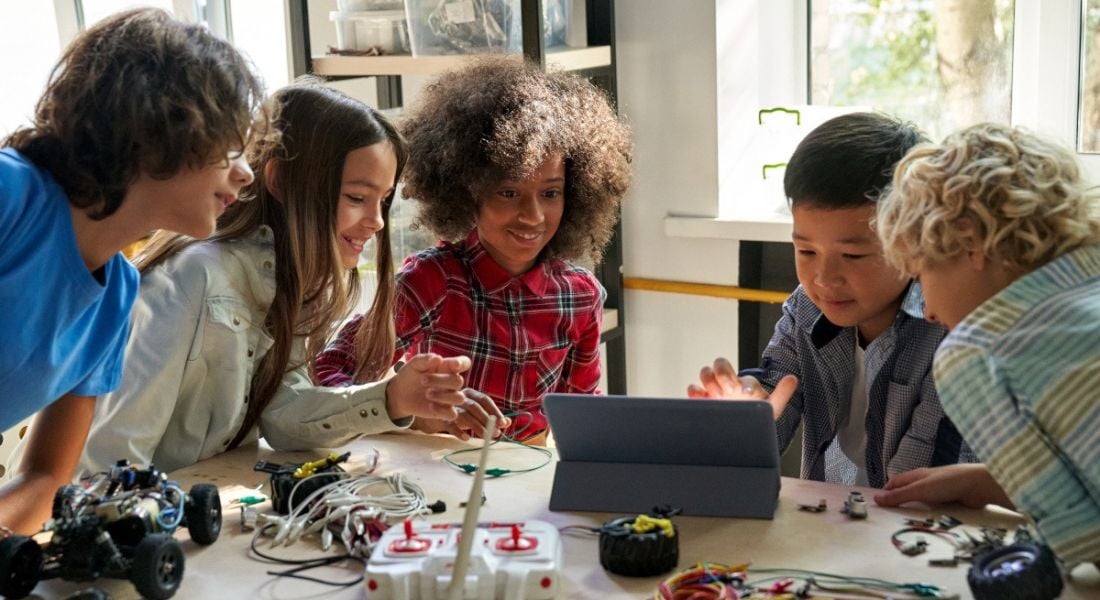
(303,415)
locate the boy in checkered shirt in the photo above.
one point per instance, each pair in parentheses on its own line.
(851,358)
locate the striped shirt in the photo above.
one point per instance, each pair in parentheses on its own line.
(905,424)
(527,335)
(1020,376)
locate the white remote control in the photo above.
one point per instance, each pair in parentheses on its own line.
(508,561)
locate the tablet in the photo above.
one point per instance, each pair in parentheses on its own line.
(631,454)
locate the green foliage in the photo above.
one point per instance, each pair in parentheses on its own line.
(882,53)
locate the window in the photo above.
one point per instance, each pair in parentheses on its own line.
(942,64)
(94,11)
(404,240)
(29,46)
(1088,138)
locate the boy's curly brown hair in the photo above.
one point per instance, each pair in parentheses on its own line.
(499,119)
(140,92)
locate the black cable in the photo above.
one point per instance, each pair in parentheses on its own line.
(305,564)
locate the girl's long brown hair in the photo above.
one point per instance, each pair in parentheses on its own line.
(317,128)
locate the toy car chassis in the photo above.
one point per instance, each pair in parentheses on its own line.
(118,524)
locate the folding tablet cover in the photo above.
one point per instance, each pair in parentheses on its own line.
(622,454)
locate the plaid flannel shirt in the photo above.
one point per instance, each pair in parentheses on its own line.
(527,336)
(906,426)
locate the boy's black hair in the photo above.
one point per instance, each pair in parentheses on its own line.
(139,93)
(847,161)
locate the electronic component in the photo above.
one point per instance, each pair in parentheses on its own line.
(249,517)
(855,506)
(914,547)
(947,522)
(821,506)
(300,479)
(927,522)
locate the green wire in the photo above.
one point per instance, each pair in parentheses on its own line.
(920,589)
(497,471)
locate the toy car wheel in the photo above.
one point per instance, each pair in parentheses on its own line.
(1015,572)
(624,552)
(20,566)
(204,514)
(63,498)
(157,568)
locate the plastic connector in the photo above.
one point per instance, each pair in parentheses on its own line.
(437,507)
(919,546)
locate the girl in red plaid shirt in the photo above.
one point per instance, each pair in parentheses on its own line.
(519,172)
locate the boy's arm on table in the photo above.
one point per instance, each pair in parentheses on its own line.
(970,484)
(1022,458)
(56,440)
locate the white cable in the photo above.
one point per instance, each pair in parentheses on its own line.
(348,501)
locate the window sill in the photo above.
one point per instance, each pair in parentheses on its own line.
(747,230)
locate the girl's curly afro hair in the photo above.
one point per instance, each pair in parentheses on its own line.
(499,119)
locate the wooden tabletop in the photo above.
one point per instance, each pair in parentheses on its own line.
(828,541)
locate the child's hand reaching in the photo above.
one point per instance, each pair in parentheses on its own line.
(473,414)
(970,484)
(428,386)
(721,382)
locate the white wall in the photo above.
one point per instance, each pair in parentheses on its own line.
(666,78)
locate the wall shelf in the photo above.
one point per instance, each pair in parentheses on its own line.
(557,59)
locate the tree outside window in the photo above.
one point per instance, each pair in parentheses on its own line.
(943,64)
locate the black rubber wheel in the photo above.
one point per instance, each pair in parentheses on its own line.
(62,498)
(1015,572)
(204,514)
(624,552)
(20,566)
(157,568)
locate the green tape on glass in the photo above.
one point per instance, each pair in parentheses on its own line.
(790,111)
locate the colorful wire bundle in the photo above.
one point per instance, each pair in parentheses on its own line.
(715,581)
(704,581)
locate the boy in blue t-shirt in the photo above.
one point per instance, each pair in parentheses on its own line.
(141,127)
